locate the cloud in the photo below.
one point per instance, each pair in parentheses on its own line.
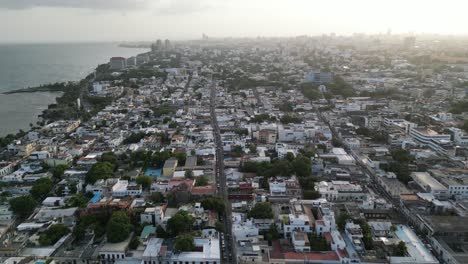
(87,4)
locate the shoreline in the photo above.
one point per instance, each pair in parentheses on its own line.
(62,94)
(18,111)
(49,88)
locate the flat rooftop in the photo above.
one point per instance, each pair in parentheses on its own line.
(448,224)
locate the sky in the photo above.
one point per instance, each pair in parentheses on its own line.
(144,20)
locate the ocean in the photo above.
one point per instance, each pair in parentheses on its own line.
(27,65)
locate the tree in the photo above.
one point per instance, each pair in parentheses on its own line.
(367,236)
(318,243)
(302,166)
(53,234)
(181,157)
(180,223)
(401,155)
(134,243)
(253,148)
(156,198)
(41,189)
(144,181)
(184,243)
(58,171)
(23,206)
(310,194)
(282,168)
(272,233)
(261,210)
(341,221)
(188,174)
(111,158)
(465,126)
(288,119)
(237,151)
(201,181)
(118,227)
(78,200)
(133,138)
(159,157)
(219,227)
(161,233)
(213,203)
(100,170)
(399,249)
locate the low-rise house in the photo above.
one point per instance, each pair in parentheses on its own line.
(169,167)
(53,201)
(153,215)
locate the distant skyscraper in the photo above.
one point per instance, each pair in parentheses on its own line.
(167,44)
(204,36)
(118,63)
(155,47)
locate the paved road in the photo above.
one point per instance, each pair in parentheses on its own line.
(227,245)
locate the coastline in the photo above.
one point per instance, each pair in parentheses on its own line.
(21,107)
(27,109)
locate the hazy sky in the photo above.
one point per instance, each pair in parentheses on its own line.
(132,20)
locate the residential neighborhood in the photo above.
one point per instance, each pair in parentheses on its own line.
(329,149)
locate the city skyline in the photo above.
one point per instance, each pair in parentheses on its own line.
(143,20)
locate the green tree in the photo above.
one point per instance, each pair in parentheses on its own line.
(111,158)
(133,138)
(41,189)
(181,222)
(302,166)
(289,119)
(53,234)
(310,194)
(23,206)
(161,233)
(237,151)
(219,227)
(181,157)
(213,203)
(78,200)
(281,168)
(401,155)
(261,210)
(184,243)
(134,243)
(399,249)
(58,171)
(341,221)
(318,243)
(144,181)
(201,181)
(118,227)
(188,174)
(100,170)
(253,148)
(156,198)
(272,233)
(367,235)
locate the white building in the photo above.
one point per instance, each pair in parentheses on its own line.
(155,252)
(300,241)
(296,222)
(245,231)
(123,188)
(340,191)
(430,185)
(153,215)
